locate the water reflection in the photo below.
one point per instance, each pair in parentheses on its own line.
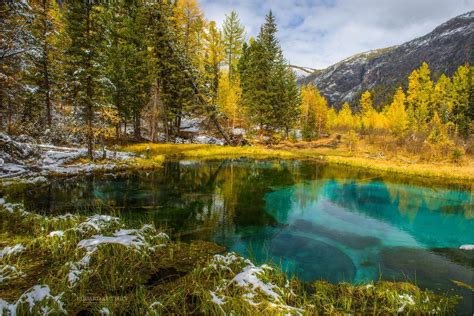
(316,221)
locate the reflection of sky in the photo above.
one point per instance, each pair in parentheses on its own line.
(374,209)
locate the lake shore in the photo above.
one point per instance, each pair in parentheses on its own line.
(72,264)
(363,160)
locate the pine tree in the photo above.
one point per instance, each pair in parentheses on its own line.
(233,38)
(127,62)
(84,62)
(14,42)
(269,90)
(40,74)
(461,91)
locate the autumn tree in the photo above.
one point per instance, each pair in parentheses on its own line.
(397,116)
(420,88)
(314,113)
(214,56)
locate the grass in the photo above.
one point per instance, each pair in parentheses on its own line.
(367,157)
(155,276)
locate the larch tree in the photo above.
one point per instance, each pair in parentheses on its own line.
(233,38)
(419,93)
(442,99)
(214,56)
(314,113)
(397,115)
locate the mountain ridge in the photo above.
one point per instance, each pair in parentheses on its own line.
(445,48)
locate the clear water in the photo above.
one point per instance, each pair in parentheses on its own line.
(315,221)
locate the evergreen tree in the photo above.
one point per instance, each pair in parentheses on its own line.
(269,90)
(128,62)
(84,62)
(233,38)
(14,41)
(43,57)
(463,112)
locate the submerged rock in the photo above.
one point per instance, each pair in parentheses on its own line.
(313,259)
(352,240)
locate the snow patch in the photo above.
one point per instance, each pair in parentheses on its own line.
(9,251)
(38,294)
(467,247)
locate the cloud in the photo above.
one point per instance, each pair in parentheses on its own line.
(318,33)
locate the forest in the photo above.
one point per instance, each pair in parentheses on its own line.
(93,72)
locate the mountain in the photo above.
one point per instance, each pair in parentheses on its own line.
(444,49)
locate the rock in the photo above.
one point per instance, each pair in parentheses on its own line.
(313,259)
(444,49)
(351,240)
(16,152)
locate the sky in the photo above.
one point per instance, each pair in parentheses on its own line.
(319,33)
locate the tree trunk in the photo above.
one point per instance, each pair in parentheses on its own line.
(89,91)
(137,125)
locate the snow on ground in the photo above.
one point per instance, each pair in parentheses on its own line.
(32,162)
(467,247)
(38,295)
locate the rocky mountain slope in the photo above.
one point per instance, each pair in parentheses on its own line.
(449,45)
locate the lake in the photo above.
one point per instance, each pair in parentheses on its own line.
(313,220)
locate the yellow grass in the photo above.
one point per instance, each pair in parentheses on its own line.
(339,155)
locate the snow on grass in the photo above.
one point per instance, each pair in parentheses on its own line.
(467,247)
(8,272)
(104,311)
(405,299)
(9,251)
(97,223)
(249,278)
(216,299)
(130,238)
(56,233)
(37,300)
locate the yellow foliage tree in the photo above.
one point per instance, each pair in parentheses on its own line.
(214,56)
(420,88)
(228,99)
(442,98)
(314,109)
(190,24)
(345,120)
(397,116)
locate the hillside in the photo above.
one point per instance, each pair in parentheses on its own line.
(444,49)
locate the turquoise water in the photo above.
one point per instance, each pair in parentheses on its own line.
(315,221)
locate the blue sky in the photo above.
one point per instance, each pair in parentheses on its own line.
(319,33)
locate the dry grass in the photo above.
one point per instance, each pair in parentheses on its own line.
(368,156)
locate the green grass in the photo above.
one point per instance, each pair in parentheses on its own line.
(158,276)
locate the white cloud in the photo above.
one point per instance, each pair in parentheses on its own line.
(318,33)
